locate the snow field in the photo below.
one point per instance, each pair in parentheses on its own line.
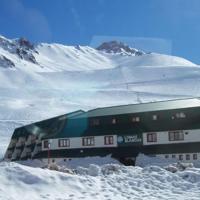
(109,181)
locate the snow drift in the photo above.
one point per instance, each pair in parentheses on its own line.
(109,181)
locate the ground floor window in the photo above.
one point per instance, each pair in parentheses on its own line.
(108,140)
(63,142)
(151,137)
(46,144)
(187,156)
(180,157)
(88,141)
(195,156)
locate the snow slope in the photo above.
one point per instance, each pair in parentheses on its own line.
(57,57)
(110,181)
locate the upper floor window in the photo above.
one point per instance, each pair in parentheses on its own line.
(176,135)
(88,141)
(108,140)
(135,119)
(63,142)
(95,122)
(114,121)
(154,117)
(151,137)
(180,115)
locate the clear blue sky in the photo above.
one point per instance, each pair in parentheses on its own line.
(171,25)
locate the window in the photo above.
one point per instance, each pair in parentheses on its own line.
(151,137)
(180,157)
(195,156)
(64,143)
(46,144)
(95,122)
(154,117)
(176,135)
(135,119)
(108,140)
(114,121)
(10,155)
(173,156)
(88,141)
(180,115)
(187,157)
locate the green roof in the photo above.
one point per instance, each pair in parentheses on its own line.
(57,126)
(144,107)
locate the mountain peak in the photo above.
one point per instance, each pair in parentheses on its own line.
(23,42)
(118,47)
(21,47)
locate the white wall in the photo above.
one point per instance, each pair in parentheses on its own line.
(163,137)
(76,142)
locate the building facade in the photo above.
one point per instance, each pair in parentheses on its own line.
(167,129)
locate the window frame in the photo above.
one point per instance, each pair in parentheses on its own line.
(88,141)
(108,140)
(173,156)
(154,117)
(187,156)
(64,143)
(195,156)
(46,144)
(180,115)
(180,157)
(94,122)
(114,121)
(151,137)
(175,135)
(135,119)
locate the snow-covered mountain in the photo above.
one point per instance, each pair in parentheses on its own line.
(56,57)
(39,81)
(116,47)
(43,80)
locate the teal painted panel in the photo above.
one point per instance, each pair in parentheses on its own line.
(74,128)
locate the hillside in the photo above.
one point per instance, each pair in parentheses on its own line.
(43,80)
